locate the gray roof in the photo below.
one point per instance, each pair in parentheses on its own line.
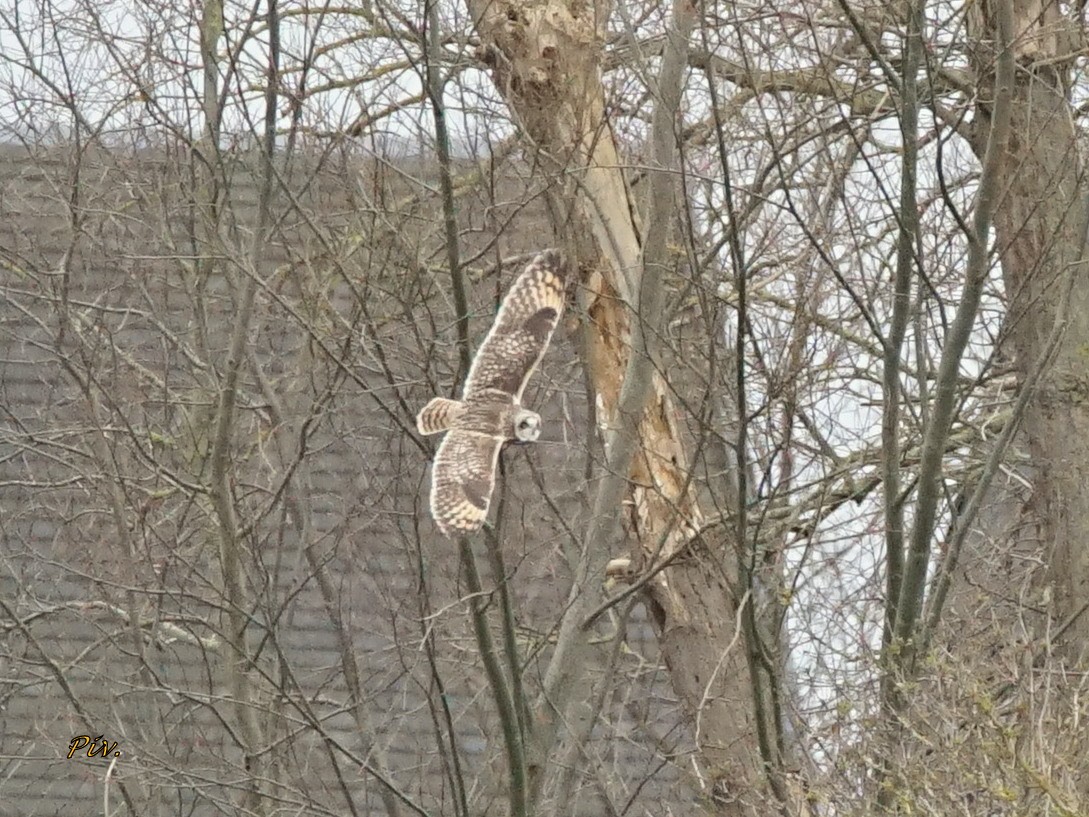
(107,386)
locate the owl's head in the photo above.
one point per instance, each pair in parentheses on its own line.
(527,426)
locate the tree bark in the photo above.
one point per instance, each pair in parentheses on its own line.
(545,58)
(1039,225)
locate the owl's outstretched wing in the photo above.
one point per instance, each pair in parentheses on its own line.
(462,480)
(439,415)
(522,329)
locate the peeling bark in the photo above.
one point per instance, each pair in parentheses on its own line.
(545,58)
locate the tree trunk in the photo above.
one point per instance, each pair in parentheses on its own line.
(545,60)
(1039,224)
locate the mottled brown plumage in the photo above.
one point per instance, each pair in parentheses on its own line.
(439,415)
(490,411)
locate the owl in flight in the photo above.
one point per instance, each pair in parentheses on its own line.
(490,411)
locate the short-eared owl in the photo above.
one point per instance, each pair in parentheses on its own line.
(490,411)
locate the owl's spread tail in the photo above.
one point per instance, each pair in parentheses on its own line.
(438,415)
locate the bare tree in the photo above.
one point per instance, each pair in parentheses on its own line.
(803,535)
